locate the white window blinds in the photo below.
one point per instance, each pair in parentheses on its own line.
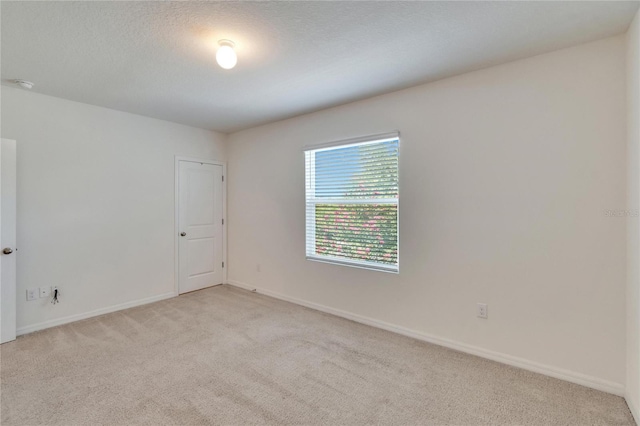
(352,203)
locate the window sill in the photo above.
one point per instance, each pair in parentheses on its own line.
(356,264)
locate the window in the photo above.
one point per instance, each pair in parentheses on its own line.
(352,202)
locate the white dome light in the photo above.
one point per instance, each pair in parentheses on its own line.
(226,56)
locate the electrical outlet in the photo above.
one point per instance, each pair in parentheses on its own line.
(45,291)
(482,310)
(258,268)
(32,294)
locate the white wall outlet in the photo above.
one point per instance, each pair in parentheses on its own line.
(33,294)
(482,310)
(45,291)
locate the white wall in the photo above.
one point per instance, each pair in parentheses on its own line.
(505,176)
(633,230)
(95,202)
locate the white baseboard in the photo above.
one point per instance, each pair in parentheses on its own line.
(633,408)
(77,317)
(558,373)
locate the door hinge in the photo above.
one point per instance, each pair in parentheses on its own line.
(223,264)
(223,221)
(223,178)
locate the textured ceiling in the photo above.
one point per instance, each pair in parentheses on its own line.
(158,58)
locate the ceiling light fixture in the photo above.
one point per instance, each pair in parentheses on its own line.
(226,56)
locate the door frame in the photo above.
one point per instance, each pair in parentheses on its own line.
(9,306)
(176,218)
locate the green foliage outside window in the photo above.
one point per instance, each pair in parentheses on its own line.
(358,231)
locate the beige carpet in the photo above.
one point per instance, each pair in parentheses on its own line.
(227,356)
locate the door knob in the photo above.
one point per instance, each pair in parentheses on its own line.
(7,251)
(183,234)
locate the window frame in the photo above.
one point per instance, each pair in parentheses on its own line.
(310,206)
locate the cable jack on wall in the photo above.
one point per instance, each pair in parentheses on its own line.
(56,295)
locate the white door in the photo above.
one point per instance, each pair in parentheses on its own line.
(7,240)
(200,225)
